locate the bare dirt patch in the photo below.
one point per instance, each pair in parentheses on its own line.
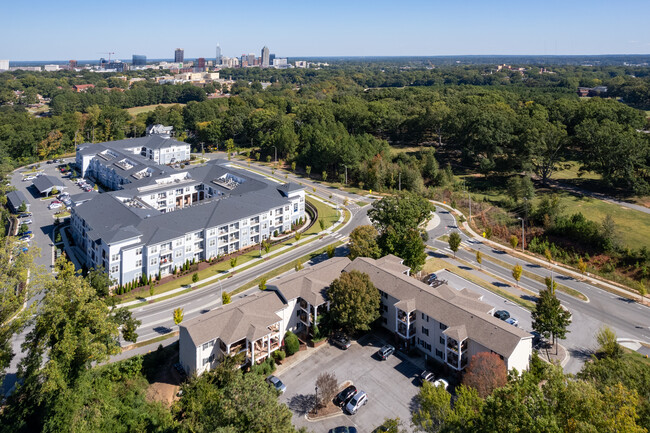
(164,380)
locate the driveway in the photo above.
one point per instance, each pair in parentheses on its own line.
(390,385)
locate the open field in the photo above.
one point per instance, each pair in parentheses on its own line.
(633,226)
(571,170)
(146,108)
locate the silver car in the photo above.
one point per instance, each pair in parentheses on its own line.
(359,399)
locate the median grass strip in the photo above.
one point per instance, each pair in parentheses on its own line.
(562,288)
(150,341)
(435,264)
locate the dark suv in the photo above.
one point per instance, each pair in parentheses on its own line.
(344,396)
(502,314)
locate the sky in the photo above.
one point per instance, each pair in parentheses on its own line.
(66,29)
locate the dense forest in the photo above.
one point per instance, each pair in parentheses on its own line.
(389,126)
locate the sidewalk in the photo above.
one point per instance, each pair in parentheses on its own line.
(560,269)
(221,276)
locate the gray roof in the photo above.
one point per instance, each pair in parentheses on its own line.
(446,305)
(248,318)
(311,284)
(16,199)
(106,214)
(45,183)
(150,141)
(83,196)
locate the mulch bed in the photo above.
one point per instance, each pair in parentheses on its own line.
(330,408)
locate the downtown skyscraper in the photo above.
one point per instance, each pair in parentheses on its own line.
(179,55)
(265,57)
(217,59)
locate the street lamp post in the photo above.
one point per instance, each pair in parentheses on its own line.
(276,153)
(316,395)
(400,180)
(346,173)
(523,238)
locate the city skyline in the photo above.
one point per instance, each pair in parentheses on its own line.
(338,28)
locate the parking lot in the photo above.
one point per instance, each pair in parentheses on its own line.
(42,218)
(391,385)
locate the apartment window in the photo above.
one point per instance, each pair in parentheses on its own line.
(425,317)
(205,360)
(386,308)
(188,248)
(286,208)
(295,207)
(442,340)
(443,326)
(385,320)
(153,196)
(178,242)
(213,242)
(114,269)
(179,191)
(178,253)
(152,262)
(153,250)
(138,263)
(425,331)
(188,238)
(386,295)
(115,257)
(212,232)
(205,346)
(138,251)
(439,353)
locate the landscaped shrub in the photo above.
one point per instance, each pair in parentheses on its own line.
(265,368)
(279,355)
(291,343)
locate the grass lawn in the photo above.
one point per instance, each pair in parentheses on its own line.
(146,108)
(326,213)
(571,169)
(633,226)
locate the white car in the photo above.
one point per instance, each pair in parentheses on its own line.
(27,221)
(54,206)
(441,382)
(26,178)
(359,399)
(513,321)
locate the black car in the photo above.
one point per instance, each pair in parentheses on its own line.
(343,429)
(341,341)
(427,376)
(344,396)
(502,314)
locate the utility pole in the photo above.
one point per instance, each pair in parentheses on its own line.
(523,237)
(400,180)
(346,173)
(469,197)
(276,154)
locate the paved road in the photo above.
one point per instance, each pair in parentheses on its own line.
(627,318)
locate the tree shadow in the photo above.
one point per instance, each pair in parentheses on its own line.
(414,406)
(162,330)
(581,353)
(529,298)
(301,404)
(500,284)
(466,268)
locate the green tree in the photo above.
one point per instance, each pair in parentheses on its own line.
(412,251)
(291,343)
(433,405)
(262,285)
(195,277)
(331,250)
(230,147)
(100,281)
(479,259)
(355,301)
(233,262)
(178,315)
(225,298)
(298,265)
(293,165)
(514,241)
(324,175)
(227,400)
(549,318)
(308,170)
(582,266)
(454,242)
(516,273)
(608,343)
(22,207)
(321,222)
(363,242)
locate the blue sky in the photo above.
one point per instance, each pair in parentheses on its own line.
(65,29)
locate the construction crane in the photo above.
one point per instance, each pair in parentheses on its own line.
(109,56)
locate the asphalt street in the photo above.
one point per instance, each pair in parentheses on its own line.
(629,319)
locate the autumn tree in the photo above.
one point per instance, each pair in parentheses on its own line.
(327,386)
(479,259)
(355,301)
(516,273)
(225,298)
(485,373)
(178,315)
(514,241)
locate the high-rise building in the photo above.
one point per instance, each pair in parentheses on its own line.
(139,60)
(72,64)
(200,63)
(179,55)
(271,58)
(265,57)
(4,65)
(251,59)
(218,57)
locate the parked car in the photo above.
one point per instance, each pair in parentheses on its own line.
(26,178)
(385,352)
(25,238)
(63,195)
(427,376)
(28,233)
(27,221)
(344,396)
(343,429)
(512,321)
(359,399)
(502,314)
(341,341)
(277,384)
(54,206)
(432,278)
(25,215)
(441,382)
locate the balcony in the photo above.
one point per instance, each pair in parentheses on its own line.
(406,318)
(304,304)
(402,329)
(240,346)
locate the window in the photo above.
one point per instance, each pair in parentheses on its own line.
(153,196)
(178,253)
(213,242)
(425,331)
(385,320)
(443,326)
(442,340)
(179,242)
(212,232)
(286,208)
(386,308)
(138,251)
(425,317)
(205,360)
(114,269)
(188,248)
(115,257)
(386,295)
(205,346)
(439,353)
(188,238)
(138,263)
(295,207)
(153,250)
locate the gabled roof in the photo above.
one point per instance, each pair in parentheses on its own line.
(446,305)
(16,199)
(247,318)
(46,183)
(311,284)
